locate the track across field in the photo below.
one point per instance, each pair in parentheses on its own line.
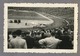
(32,18)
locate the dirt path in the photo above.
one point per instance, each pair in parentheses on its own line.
(51,21)
(58,21)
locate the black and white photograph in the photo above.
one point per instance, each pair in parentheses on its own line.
(40,27)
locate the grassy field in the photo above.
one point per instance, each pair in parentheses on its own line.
(65,12)
(27,15)
(58,15)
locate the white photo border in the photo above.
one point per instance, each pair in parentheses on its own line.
(74,50)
